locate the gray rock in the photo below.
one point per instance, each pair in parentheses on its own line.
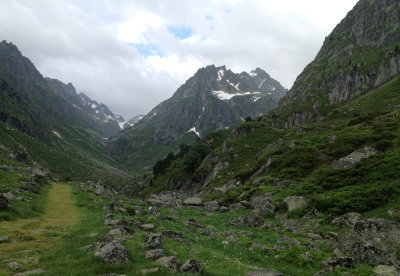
(140,210)
(248,221)
(211,206)
(264,272)
(295,202)
(176,235)
(289,241)
(10,196)
(192,266)
(353,158)
(4,239)
(263,205)
(339,261)
(109,206)
(3,202)
(193,201)
(151,270)
(121,230)
(386,270)
(148,227)
(372,241)
(223,209)
(307,256)
(171,262)
(194,223)
(228,185)
(281,183)
(348,219)
(313,236)
(154,254)
(113,253)
(154,241)
(13,265)
(269,147)
(312,215)
(30,272)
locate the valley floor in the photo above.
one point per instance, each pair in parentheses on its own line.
(29,239)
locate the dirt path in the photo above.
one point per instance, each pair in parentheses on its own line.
(30,238)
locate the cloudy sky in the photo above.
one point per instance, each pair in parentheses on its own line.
(133,54)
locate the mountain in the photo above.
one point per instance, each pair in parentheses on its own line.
(132,121)
(214,98)
(47,121)
(361,53)
(323,166)
(98,115)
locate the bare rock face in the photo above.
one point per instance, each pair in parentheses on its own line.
(372,241)
(113,253)
(295,202)
(353,158)
(192,266)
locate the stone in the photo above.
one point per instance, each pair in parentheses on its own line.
(353,158)
(113,253)
(227,186)
(191,266)
(289,241)
(281,183)
(343,261)
(109,206)
(193,222)
(348,219)
(262,205)
(3,202)
(264,272)
(13,265)
(154,241)
(313,236)
(248,221)
(140,210)
(171,262)
(386,270)
(150,270)
(154,254)
(307,256)
(211,206)
(295,202)
(4,239)
(30,272)
(372,241)
(148,227)
(10,196)
(193,201)
(223,209)
(312,215)
(176,235)
(269,147)
(121,230)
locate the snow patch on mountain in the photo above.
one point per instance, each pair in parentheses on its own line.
(194,130)
(220,74)
(222,95)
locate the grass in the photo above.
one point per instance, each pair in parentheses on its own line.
(33,237)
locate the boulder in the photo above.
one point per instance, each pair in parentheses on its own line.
(348,219)
(371,241)
(3,202)
(248,221)
(10,196)
(171,262)
(121,230)
(113,253)
(154,254)
(386,270)
(353,158)
(343,261)
(264,272)
(140,210)
(151,270)
(262,205)
(192,266)
(154,241)
(176,235)
(193,201)
(194,223)
(148,227)
(227,186)
(211,206)
(295,202)
(109,206)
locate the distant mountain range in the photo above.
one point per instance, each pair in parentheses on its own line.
(214,98)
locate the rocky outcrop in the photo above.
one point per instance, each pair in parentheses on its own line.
(372,241)
(154,241)
(269,147)
(114,253)
(295,202)
(171,262)
(353,158)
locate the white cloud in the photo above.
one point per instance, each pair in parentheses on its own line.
(86,42)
